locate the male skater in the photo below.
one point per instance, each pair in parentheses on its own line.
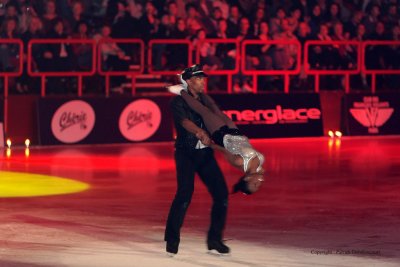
(192,155)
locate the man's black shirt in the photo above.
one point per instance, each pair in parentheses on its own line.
(181,110)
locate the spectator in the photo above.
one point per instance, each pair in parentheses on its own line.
(77,16)
(285,55)
(303,34)
(233,20)
(193,21)
(207,51)
(172,12)
(333,15)
(392,19)
(241,82)
(294,19)
(257,19)
(35,31)
(113,57)
(82,52)
(262,60)
(372,19)
(149,21)
(216,16)
(223,6)
(50,17)
(360,81)
(351,26)
(9,53)
(304,6)
(320,56)
(173,61)
(316,20)
(275,23)
(180,31)
(126,26)
(27,12)
(11,12)
(226,52)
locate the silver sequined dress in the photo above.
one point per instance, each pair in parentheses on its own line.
(239,145)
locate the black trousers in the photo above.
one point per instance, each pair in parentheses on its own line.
(199,161)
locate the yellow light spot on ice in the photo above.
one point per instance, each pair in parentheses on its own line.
(19,184)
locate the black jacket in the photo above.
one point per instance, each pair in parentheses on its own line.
(180,111)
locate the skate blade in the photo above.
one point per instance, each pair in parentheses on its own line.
(213,252)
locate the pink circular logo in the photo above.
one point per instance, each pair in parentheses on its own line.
(73,121)
(140,120)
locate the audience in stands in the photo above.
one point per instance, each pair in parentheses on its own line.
(195,20)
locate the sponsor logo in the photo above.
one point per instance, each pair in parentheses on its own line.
(140,120)
(274,116)
(371,113)
(73,121)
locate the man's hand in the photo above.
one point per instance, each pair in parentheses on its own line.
(203,137)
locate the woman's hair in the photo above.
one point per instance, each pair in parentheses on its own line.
(241,186)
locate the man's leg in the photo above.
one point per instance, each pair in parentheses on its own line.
(211,175)
(185,178)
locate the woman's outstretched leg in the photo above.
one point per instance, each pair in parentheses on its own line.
(210,103)
(211,120)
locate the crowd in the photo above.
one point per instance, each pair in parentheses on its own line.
(196,20)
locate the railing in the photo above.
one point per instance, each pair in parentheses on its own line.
(277,45)
(186,55)
(5,44)
(343,45)
(129,72)
(36,72)
(166,44)
(235,53)
(374,72)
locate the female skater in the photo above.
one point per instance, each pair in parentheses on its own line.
(224,132)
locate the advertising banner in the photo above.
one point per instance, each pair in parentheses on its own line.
(149,119)
(365,114)
(274,115)
(104,120)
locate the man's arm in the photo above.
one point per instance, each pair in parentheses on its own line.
(200,133)
(181,117)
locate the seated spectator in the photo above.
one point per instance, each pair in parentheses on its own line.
(27,12)
(321,56)
(276,22)
(50,16)
(34,31)
(258,17)
(285,55)
(113,57)
(193,20)
(9,59)
(316,20)
(11,11)
(207,51)
(233,20)
(342,54)
(82,52)
(148,21)
(77,16)
(351,26)
(373,17)
(180,30)
(225,52)
(333,15)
